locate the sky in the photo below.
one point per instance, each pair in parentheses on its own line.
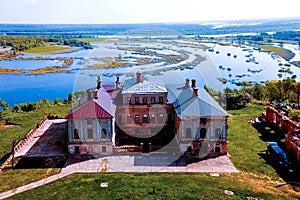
(142,11)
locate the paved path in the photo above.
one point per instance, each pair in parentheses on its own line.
(137,163)
(47,140)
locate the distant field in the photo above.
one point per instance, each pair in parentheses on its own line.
(91,39)
(48,49)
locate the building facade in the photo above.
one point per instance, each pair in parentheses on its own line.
(146,116)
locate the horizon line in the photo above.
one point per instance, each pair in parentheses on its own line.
(137,23)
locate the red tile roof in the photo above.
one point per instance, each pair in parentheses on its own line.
(89,110)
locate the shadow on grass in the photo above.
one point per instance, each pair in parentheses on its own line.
(290,174)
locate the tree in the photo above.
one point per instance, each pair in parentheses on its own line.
(3,104)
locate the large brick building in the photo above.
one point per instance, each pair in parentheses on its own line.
(146,116)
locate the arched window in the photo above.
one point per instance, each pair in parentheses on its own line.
(75,134)
(152,119)
(145,119)
(203,133)
(103,133)
(137,119)
(217,133)
(188,133)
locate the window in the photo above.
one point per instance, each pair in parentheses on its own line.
(144,100)
(162,119)
(89,121)
(76,135)
(161,100)
(128,100)
(152,119)
(103,149)
(153,100)
(218,133)
(136,100)
(90,133)
(188,133)
(145,119)
(77,150)
(103,133)
(202,133)
(203,121)
(128,119)
(137,119)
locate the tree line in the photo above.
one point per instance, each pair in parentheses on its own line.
(286,90)
(21,43)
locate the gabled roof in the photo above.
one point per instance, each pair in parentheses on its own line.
(90,109)
(186,104)
(102,107)
(144,87)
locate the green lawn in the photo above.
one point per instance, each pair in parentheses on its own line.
(47,49)
(91,39)
(245,144)
(140,186)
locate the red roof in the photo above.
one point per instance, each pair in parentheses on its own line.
(89,110)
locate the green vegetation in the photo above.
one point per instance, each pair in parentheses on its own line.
(11,179)
(154,186)
(47,49)
(91,39)
(284,53)
(108,63)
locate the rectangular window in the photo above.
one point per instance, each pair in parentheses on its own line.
(161,100)
(144,100)
(103,149)
(203,121)
(153,100)
(128,100)
(137,100)
(90,133)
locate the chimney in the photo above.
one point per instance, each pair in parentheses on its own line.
(194,87)
(194,83)
(118,83)
(187,83)
(99,83)
(139,77)
(95,94)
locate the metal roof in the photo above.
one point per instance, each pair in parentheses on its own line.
(144,87)
(187,104)
(89,110)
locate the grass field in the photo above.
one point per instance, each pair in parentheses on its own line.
(256,179)
(91,39)
(152,186)
(48,49)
